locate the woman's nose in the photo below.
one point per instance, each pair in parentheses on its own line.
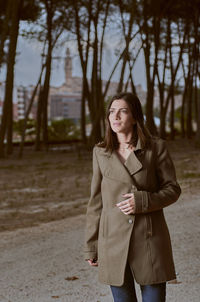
(117,115)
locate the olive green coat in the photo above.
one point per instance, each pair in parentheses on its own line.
(143,238)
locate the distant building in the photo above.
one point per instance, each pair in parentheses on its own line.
(23,99)
(22,102)
(65,106)
(73,84)
(65,101)
(2,90)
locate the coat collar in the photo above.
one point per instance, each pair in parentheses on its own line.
(123,172)
(132,163)
(139,145)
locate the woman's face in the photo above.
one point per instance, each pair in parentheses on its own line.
(120,117)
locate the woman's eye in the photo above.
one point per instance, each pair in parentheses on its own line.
(124,110)
(111,111)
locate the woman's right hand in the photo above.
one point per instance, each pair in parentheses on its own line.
(93,262)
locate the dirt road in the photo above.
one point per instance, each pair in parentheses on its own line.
(45,263)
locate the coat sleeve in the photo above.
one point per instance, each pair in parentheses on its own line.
(93,212)
(168,191)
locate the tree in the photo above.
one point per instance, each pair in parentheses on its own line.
(54,26)
(5,13)
(87,18)
(25,122)
(7,121)
(16,10)
(91,23)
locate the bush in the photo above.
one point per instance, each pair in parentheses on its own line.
(63,130)
(19,125)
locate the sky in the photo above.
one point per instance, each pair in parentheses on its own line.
(28,63)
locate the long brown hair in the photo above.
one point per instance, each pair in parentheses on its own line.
(110,142)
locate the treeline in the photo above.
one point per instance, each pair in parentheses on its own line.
(165,33)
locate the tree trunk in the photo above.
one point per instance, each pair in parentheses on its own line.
(45,91)
(185,96)
(197,137)
(39,121)
(84,64)
(150,88)
(162,131)
(95,91)
(7,117)
(45,94)
(172,130)
(150,79)
(127,38)
(189,130)
(121,80)
(183,113)
(5,29)
(149,109)
(197,78)
(28,112)
(189,113)
(83,114)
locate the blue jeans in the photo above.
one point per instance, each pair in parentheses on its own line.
(126,292)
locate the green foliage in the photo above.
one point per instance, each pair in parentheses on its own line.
(30,129)
(106,102)
(178,110)
(177,113)
(87,119)
(156,112)
(63,130)
(57,131)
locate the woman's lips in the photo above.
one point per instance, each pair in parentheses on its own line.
(116,124)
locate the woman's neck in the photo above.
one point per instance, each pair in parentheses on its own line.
(124,138)
(124,148)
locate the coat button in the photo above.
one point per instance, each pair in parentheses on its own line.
(130,221)
(134,188)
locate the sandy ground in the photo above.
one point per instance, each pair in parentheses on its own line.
(44,262)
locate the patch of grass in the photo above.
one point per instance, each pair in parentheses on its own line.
(77,183)
(9,167)
(62,194)
(65,166)
(45,163)
(191,175)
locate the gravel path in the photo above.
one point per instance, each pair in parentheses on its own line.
(45,263)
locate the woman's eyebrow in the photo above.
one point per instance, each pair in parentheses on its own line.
(119,108)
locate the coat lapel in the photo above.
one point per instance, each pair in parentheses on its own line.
(116,170)
(133,164)
(123,172)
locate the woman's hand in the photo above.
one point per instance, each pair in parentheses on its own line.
(93,262)
(127,206)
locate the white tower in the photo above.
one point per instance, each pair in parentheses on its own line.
(68,66)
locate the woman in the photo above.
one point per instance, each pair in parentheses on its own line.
(133,180)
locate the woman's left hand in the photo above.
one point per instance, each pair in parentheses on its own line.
(127,206)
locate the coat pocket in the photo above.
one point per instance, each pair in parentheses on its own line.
(149,231)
